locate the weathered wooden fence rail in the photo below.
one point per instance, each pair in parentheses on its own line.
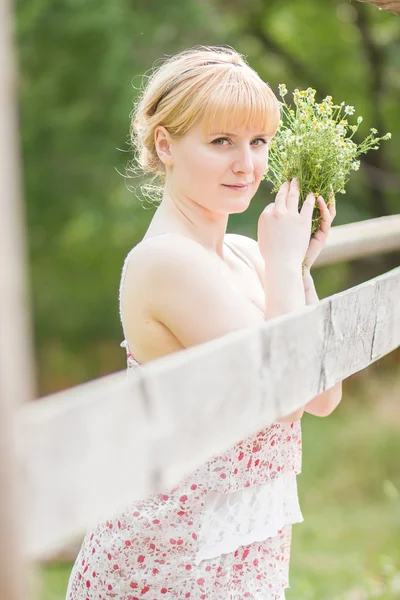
(147,430)
(361,239)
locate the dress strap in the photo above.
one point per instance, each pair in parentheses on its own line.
(132,363)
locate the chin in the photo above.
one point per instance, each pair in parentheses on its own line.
(230,206)
(232,210)
(238,206)
(237,203)
(237,210)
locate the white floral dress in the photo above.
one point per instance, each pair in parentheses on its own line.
(223,533)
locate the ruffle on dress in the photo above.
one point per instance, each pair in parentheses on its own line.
(252,514)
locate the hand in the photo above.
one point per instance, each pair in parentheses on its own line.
(320,237)
(284,232)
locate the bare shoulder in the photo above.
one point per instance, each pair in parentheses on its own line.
(176,282)
(178,249)
(160,251)
(249,247)
(173,257)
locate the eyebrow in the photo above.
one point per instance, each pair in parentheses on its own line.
(235,135)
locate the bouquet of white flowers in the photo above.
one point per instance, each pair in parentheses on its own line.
(314,144)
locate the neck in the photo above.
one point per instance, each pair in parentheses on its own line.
(184,216)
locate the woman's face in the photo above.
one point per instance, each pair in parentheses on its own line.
(221,172)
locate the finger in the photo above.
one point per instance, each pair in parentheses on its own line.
(269,207)
(332,208)
(308,206)
(325,214)
(331,196)
(292,200)
(280,200)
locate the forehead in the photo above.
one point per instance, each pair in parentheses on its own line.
(205,130)
(241,122)
(243,131)
(241,111)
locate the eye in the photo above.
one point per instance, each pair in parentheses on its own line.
(222,139)
(262,140)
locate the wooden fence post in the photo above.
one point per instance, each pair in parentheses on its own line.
(16,367)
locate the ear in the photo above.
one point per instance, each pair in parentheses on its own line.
(162,141)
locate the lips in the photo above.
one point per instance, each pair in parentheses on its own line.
(237,187)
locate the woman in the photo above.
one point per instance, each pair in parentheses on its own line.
(202,124)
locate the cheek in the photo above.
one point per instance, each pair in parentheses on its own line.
(260,165)
(209,164)
(199,170)
(187,164)
(193,157)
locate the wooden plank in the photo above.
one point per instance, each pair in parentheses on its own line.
(15,387)
(88,451)
(361,239)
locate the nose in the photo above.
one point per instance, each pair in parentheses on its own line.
(244,161)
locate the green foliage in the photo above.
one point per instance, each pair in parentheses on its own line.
(347,548)
(80,63)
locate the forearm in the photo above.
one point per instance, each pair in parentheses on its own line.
(284,293)
(309,289)
(326,402)
(284,290)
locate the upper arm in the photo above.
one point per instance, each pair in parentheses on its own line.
(186,291)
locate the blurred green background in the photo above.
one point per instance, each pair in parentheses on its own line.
(81,63)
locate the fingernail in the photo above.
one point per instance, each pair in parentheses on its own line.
(294,180)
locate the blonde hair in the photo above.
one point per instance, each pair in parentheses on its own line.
(209,82)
